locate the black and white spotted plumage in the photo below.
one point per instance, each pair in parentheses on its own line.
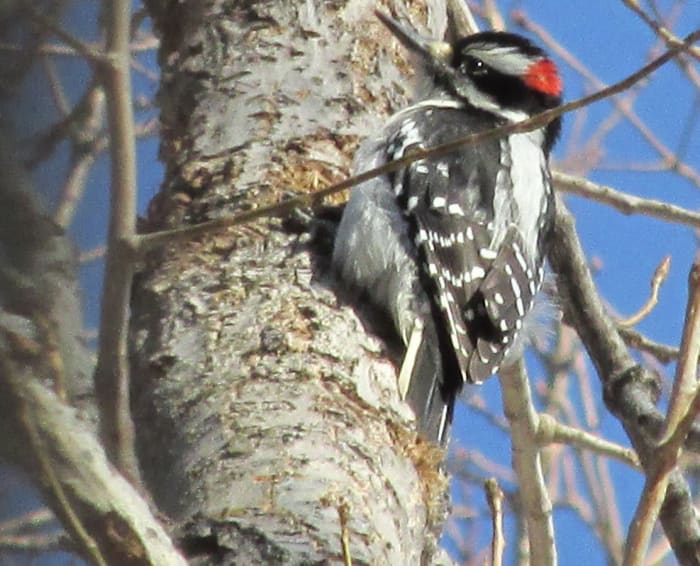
(452,247)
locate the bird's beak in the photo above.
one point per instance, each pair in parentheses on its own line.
(438,51)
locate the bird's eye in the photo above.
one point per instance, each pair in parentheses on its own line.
(474,67)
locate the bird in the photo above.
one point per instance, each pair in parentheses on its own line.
(451,247)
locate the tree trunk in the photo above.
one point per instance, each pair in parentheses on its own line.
(268,422)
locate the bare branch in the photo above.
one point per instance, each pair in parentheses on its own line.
(89,53)
(460,18)
(683,408)
(629,389)
(95,504)
(660,30)
(144,243)
(112,371)
(92,255)
(36,519)
(665,354)
(550,431)
(626,203)
(685,386)
(494,16)
(148,43)
(536,506)
(494,496)
(46,471)
(74,187)
(36,542)
(660,275)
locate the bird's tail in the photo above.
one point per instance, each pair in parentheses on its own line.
(429,381)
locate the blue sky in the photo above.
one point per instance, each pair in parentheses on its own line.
(612,42)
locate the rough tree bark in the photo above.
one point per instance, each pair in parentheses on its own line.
(269,426)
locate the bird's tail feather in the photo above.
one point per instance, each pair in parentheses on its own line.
(422,382)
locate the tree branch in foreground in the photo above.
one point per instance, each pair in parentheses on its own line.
(534,499)
(626,203)
(112,370)
(144,243)
(106,517)
(41,350)
(630,391)
(683,408)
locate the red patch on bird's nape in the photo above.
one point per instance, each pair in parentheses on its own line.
(544,77)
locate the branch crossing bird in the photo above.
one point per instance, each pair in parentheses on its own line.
(452,247)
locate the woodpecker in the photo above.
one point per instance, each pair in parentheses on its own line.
(452,247)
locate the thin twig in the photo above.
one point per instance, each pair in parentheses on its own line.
(144,243)
(595,141)
(658,29)
(626,203)
(685,387)
(91,255)
(550,431)
(36,543)
(670,159)
(36,519)
(88,52)
(662,352)
(57,91)
(73,187)
(660,275)
(493,16)
(660,552)
(494,497)
(588,449)
(149,43)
